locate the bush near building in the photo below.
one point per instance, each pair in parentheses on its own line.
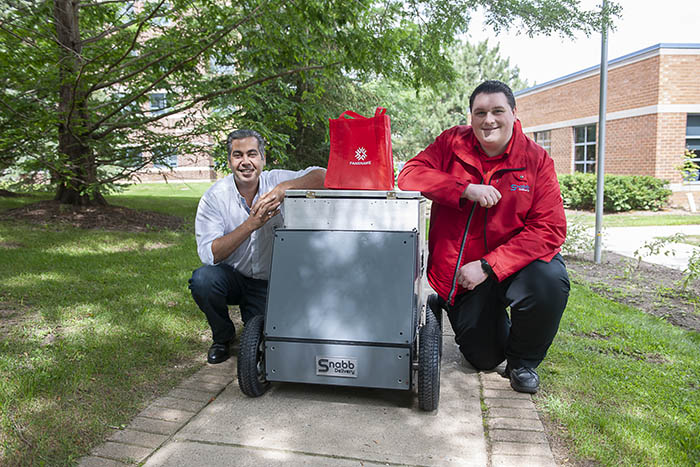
(621,193)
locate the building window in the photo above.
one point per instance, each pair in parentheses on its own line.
(544,139)
(158,103)
(167,161)
(584,148)
(692,143)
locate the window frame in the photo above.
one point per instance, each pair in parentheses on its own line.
(586,144)
(160,99)
(545,137)
(169,162)
(692,141)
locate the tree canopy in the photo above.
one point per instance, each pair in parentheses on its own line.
(92,91)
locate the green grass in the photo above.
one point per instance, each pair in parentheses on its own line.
(634,219)
(626,385)
(179,199)
(94,324)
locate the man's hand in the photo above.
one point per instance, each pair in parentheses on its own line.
(471,274)
(276,194)
(486,195)
(264,209)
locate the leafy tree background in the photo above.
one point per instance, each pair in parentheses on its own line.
(76,76)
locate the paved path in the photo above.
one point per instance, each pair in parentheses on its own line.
(627,240)
(207,421)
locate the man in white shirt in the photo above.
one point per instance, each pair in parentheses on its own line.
(234,227)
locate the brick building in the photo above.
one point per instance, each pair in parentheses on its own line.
(177,167)
(653,114)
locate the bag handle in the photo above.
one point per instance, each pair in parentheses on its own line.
(351,114)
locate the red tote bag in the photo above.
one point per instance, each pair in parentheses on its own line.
(360,157)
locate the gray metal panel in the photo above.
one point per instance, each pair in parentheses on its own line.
(377,367)
(342,285)
(354,214)
(353,194)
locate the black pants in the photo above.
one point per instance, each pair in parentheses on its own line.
(216,287)
(536,295)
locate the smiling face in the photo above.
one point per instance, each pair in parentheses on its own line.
(492,121)
(246,162)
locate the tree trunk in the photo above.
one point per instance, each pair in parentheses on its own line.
(77,179)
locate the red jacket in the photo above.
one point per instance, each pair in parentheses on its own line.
(528,223)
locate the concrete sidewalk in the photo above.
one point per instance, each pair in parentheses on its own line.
(626,240)
(207,421)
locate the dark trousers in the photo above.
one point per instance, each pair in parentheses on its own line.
(216,287)
(536,295)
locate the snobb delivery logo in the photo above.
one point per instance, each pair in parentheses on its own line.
(360,155)
(336,366)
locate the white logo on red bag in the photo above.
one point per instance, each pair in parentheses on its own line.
(361,155)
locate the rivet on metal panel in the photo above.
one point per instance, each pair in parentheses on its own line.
(310,194)
(390,195)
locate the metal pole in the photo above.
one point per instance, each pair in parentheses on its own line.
(600,165)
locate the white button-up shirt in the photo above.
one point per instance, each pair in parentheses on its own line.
(222,209)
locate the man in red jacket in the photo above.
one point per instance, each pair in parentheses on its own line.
(496,228)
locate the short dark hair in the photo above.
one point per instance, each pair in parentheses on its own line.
(241,134)
(493,86)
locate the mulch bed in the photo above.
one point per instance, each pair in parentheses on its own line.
(652,288)
(92,217)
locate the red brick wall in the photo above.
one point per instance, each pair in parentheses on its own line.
(630,86)
(630,147)
(670,145)
(562,149)
(679,79)
(645,145)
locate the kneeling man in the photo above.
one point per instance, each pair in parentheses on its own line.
(496,227)
(234,227)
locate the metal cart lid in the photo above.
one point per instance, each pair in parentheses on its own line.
(382,194)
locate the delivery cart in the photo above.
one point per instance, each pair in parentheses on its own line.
(345,302)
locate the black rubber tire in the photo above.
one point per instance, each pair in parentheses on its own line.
(429,364)
(251,359)
(433,306)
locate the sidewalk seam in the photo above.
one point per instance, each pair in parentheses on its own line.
(183,423)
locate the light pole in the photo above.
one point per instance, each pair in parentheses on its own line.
(600,165)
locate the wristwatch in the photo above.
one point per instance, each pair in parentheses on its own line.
(486,267)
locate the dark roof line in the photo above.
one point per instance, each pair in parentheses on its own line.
(662,45)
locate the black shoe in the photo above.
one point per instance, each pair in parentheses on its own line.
(506,372)
(523,379)
(219,352)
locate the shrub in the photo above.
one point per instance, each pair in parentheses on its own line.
(579,239)
(622,192)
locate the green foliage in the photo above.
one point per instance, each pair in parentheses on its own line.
(657,246)
(624,384)
(692,272)
(690,169)
(77,77)
(578,238)
(419,116)
(621,193)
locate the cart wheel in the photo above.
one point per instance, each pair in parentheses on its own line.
(251,359)
(434,306)
(429,364)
